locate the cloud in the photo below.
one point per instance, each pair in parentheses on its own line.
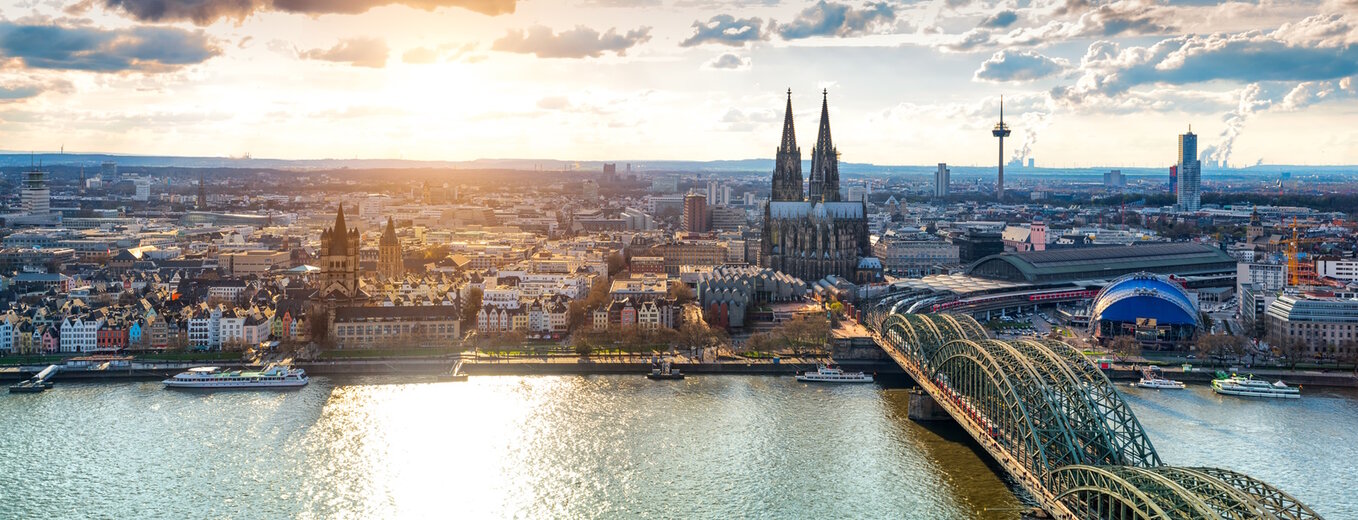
(146,49)
(729,61)
(359,52)
(580,42)
(204,12)
(1304,51)
(1000,20)
(736,120)
(1308,93)
(420,55)
(23,88)
(726,30)
(836,19)
(554,103)
(1019,66)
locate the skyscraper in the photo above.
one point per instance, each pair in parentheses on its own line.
(1190,173)
(1001,131)
(941,179)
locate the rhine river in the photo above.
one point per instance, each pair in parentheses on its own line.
(587,447)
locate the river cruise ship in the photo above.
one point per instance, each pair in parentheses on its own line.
(832,374)
(273,376)
(1250,387)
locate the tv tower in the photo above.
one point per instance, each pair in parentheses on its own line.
(1001,131)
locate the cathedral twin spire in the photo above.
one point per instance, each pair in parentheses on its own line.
(787,172)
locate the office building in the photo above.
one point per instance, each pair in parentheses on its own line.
(35,197)
(1190,173)
(695,213)
(942,178)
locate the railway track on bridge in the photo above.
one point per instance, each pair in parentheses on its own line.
(1055,423)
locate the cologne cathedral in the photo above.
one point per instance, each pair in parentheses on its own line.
(812,233)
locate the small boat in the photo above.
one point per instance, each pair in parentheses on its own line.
(1251,387)
(833,374)
(28,387)
(1153,378)
(273,376)
(664,372)
(454,374)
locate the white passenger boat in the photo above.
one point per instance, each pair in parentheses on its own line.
(832,374)
(1250,387)
(1154,379)
(273,376)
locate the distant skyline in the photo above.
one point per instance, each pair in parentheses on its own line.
(910,83)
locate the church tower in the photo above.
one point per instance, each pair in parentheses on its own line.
(1255,229)
(389,262)
(339,260)
(787,163)
(824,160)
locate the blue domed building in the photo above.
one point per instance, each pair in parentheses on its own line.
(1158,311)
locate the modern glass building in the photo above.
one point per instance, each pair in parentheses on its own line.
(1190,173)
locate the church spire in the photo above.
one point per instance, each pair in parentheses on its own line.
(824,159)
(389,235)
(789,142)
(787,164)
(339,235)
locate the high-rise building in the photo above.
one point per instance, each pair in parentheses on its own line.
(1174,181)
(35,196)
(390,264)
(1001,131)
(713,192)
(108,170)
(941,179)
(695,213)
(202,194)
(1114,179)
(142,187)
(1190,173)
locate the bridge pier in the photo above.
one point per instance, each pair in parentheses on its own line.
(923,408)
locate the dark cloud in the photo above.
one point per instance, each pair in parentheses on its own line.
(727,30)
(203,12)
(83,47)
(729,61)
(359,52)
(1019,66)
(835,19)
(580,42)
(23,88)
(1000,20)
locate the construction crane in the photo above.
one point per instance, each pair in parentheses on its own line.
(1293,270)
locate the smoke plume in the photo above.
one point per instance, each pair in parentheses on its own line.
(1250,104)
(1030,124)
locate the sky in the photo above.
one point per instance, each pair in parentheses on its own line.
(1085,83)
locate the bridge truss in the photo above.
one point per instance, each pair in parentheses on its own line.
(1053,419)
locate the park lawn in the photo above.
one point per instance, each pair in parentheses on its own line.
(30,359)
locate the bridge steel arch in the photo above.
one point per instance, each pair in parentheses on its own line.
(1049,409)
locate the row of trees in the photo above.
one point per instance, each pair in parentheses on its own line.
(800,335)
